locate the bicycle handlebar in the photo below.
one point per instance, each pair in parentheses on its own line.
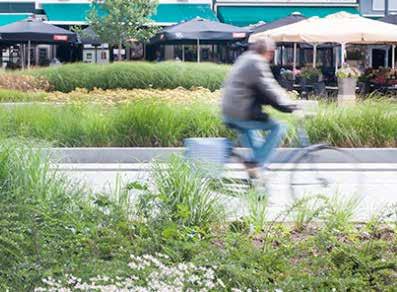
(305,109)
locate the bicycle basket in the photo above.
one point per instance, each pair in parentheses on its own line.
(210,154)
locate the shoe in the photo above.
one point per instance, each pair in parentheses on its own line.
(238,156)
(253,169)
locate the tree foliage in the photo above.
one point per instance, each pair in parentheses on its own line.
(118,22)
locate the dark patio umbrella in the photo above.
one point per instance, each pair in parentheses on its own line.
(293,18)
(35,31)
(89,37)
(200,31)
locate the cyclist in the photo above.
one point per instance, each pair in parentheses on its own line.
(249,86)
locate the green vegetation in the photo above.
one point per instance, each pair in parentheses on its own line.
(367,124)
(130,75)
(112,96)
(150,123)
(10,95)
(49,226)
(118,22)
(55,231)
(138,124)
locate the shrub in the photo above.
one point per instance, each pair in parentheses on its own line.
(310,74)
(147,273)
(130,75)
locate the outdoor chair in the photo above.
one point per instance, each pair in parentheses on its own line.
(320,89)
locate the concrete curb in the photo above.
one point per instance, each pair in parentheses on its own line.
(144,155)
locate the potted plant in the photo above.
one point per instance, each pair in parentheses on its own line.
(309,79)
(310,75)
(347,82)
(287,79)
(365,81)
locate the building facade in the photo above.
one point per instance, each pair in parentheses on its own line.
(68,13)
(376,8)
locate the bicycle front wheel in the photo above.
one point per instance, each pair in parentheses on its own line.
(324,170)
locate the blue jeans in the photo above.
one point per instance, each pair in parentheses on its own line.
(249,135)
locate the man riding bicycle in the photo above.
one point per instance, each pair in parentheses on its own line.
(249,86)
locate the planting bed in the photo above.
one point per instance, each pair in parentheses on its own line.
(166,121)
(57,236)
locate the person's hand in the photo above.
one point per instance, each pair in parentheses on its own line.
(290,108)
(293,107)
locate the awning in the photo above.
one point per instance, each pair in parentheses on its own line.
(246,15)
(67,13)
(166,14)
(7,18)
(174,13)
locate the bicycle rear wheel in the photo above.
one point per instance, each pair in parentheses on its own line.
(324,170)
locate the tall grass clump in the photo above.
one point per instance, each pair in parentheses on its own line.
(182,195)
(340,211)
(11,95)
(153,123)
(141,124)
(306,210)
(366,124)
(258,208)
(50,225)
(130,75)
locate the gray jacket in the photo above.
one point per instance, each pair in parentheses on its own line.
(249,86)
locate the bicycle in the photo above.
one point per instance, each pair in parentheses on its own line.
(313,168)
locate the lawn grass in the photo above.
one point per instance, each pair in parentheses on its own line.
(154,123)
(130,75)
(71,238)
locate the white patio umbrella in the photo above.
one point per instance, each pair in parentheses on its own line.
(342,28)
(339,28)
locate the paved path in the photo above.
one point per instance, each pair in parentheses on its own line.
(375,184)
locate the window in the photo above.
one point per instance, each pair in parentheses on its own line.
(379,5)
(43,57)
(23,7)
(104,56)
